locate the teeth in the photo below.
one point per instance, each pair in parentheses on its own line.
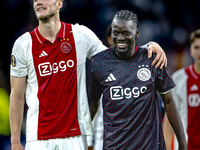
(121,44)
(41,9)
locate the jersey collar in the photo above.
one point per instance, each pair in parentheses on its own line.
(60,35)
(193,72)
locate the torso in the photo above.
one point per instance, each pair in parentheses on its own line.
(130,102)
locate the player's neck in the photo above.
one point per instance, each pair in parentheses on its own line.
(128,55)
(50,29)
(197,68)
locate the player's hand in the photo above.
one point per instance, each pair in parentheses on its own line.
(161,58)
(17,146)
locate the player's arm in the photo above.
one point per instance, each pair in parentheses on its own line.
(168,132)
(18,86)
(161,58)
(174,119)
(93,92)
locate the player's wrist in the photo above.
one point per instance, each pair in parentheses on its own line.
(15,140)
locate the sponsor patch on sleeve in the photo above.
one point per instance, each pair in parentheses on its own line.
(13,61)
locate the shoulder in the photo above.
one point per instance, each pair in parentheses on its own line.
(81,29)
(101,58)
(22,41)
(142,54)
(179,73)
(180,76)
(143,51)
(102,55)
(23,38)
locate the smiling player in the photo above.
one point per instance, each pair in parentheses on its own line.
(131,111)
(48,68)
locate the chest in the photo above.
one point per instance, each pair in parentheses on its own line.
(125,80)
(53,58)
(123,73)
(193,91)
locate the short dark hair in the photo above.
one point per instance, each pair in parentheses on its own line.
(127,15)
(195,34)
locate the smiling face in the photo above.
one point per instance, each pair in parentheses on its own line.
(45,9)
(124,34)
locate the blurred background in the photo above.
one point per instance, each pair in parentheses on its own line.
(167,22)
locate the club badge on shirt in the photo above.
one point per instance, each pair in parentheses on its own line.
(66,47)
(144,74)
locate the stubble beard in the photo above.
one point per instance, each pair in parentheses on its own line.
(46,18)
(123,54)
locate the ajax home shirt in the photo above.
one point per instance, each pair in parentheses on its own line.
(187,97)
(56,92)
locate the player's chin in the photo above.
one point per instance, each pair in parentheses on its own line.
(122,49)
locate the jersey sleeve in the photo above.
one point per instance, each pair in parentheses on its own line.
(164,82)
(92,42)
(179,78)
(18,67)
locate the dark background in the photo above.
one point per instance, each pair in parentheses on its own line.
(167,22)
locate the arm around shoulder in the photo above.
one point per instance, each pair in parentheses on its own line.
(161,59)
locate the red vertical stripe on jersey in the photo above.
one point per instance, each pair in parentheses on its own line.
(56,70)
(193,99)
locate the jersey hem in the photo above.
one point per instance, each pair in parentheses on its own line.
(58,136)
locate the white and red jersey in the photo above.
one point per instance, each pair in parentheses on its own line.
(56,81)
(187,97)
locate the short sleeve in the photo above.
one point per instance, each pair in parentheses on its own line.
(164,81)
(18,67)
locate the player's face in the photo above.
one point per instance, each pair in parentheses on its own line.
(124,33)
(45,9)
(195,50)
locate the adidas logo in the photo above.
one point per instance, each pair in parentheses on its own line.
(194,88)
(111,77)
(43,54)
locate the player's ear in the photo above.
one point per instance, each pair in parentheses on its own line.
(137,33)
(59,4)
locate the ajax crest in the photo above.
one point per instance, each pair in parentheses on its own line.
(65,47)
(144,74)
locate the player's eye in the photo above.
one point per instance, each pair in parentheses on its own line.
(115,33)
(196,47)
(126,34)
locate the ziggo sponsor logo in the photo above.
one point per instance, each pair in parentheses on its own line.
(46,68)
(117,92)
(194,100)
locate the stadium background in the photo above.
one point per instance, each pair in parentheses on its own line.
(168,22)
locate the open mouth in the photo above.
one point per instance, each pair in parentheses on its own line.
(40,9)
(122,45)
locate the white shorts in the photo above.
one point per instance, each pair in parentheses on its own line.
(71,143)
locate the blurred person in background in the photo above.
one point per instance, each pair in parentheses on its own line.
(187,97)
(48,68)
